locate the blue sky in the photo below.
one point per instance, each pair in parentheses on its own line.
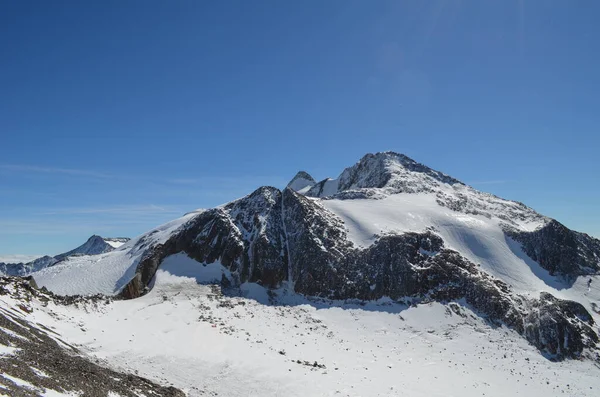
(116,116)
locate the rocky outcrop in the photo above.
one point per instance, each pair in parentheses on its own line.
(380,170)
(560,250)
(272,237)
(559,328)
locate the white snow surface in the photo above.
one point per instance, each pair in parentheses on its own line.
(114,243)
(301,184)
(181,268)
(7,350)
(105,273)
(204,343)
(477,237)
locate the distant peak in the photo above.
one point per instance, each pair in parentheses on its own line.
(302,175)
(302,181)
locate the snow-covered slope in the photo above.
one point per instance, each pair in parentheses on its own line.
(105,273)
(115,242)
(35,360)
(93,246)
(386,227)
(302,182)
(277,343)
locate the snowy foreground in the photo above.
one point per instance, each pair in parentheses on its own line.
(193,337)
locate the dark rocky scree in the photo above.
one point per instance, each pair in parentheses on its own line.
(47,364)
(270,237)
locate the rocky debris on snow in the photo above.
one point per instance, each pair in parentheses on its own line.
(25,289)
(313,364)
(39,362)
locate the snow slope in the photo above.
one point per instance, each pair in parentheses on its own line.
(115,242)
(207,344)
(105,273)
(477,237)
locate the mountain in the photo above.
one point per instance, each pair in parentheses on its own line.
(385,228)
(93,246)
(302,182)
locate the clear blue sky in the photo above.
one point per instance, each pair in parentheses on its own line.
(116,116)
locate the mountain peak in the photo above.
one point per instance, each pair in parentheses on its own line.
(302,181)
(390,169)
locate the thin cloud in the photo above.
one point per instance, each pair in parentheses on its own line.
(117,210)
(214,181)
(22,168)
(490,182)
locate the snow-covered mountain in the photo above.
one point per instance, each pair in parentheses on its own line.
(302,182)
(93,246)
(386,230)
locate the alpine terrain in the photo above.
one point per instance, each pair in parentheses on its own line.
(391,279)
(93,246)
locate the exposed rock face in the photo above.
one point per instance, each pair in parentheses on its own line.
(315,243)
(48,366)
(272,237)
(560,250)
(559,328)
(378,170)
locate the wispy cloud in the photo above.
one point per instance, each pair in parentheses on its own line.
(23,168)
(115,210)
(490,182)
(216,182)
